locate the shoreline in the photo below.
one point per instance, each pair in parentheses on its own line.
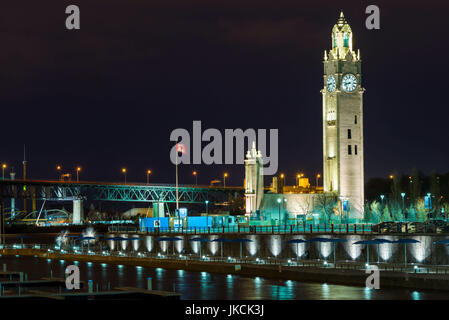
(390,279)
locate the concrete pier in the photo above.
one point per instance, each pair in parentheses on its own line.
(307,272)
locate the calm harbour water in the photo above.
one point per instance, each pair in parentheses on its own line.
(207,286)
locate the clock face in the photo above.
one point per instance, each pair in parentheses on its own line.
(349,82)
(331,84)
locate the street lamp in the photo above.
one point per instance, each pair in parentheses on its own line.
(124,172)
(279,202)
(297,179)
(195,174)
(148,176)
(78,169)
(403,195)
(207,208)
(391,176)
(224,179)
(317,177)
(283,178)
(3,171)
(58,168)
(382,198)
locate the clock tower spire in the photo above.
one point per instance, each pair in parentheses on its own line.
(343,122)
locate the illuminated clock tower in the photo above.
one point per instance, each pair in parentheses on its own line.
(343,122)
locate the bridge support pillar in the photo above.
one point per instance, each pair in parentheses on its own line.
(77,217)
(33,201)
(13,200)
(158,210)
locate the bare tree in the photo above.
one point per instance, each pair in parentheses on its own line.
(326,204)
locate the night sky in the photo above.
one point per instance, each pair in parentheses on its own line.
(107,96)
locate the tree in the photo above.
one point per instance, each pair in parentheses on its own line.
(435,185)
(386,217)
(325,205)
(421,214)
(396,212)
(411,213)
(306,207)
(396,187)
(375,211)
(415,185)
(445,208)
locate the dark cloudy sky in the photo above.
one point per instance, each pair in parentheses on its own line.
(109,95)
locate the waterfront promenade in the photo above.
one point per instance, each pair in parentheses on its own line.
(424,277)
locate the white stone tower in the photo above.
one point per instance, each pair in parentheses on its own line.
(254,186)
(343,122)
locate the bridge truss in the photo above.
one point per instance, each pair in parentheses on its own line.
(64,191)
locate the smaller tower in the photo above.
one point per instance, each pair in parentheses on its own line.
(254,187)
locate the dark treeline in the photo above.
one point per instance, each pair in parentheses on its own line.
(414,185)
(402,197)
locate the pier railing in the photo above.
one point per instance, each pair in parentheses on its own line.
(284,229)
(267,261)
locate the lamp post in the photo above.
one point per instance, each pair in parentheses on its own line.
(283,179)
(224,179)
(78,169)
(124,172)
(195,174)
(317,177)
(382,198)
(179,148)
(3,171)
(285,201)
(58,168)
(403,195)
(207,211)
(148,176)
(279,202)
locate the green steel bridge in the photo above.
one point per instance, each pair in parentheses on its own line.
(126,192)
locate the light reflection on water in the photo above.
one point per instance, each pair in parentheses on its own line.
(205,285)
(325,288)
